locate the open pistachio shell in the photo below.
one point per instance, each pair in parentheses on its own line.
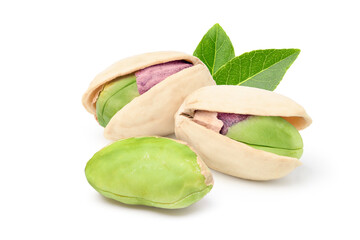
(152,171)
(226,155)
(151,113)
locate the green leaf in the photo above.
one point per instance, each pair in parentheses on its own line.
(261,68)
(215,49)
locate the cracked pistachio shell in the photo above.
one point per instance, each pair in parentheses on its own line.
(229,156)
(152,171)
(151,113)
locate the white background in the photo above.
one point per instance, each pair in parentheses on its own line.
(49,52)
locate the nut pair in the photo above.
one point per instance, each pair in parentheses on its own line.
(241,131)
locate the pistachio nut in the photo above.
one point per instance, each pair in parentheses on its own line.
(114,96)
(245,132)
(153,171)
(139,95)
(267,133)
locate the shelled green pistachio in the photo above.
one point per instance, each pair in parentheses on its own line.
(152,171)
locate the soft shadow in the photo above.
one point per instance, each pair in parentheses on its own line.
(171,136)
(302,175)
(192,209)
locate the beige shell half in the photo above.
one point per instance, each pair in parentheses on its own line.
(229,156)
(151,113)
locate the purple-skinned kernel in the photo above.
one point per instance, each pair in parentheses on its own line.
(230,119)
(148,77)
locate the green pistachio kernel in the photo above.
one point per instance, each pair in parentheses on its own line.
(152,171)
(114,97)
(271,134)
